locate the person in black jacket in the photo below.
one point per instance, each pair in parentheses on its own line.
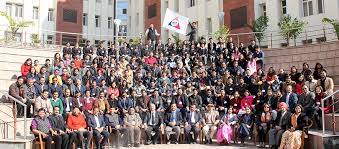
(152,123)
(192,124)
(193,33)
(59,125)
(279,125)
(173,120)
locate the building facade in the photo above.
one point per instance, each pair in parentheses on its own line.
(136,22)
(122,6)
(310,11)
(62,21)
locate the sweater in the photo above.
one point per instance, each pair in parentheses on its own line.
(57,103)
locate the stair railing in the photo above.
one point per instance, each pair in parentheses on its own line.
(329,97)
(14,109)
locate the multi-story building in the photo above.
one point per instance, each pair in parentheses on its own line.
(310,11)
(42,13)
(62,21)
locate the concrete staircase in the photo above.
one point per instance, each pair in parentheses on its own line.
(12,57)
(325,53)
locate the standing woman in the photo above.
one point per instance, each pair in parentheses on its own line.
(245,125)
(264,124)
(26,67)
(252,65)
(227,125)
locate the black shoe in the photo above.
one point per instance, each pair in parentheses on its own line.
(148,143)
(210,142)
(137,145)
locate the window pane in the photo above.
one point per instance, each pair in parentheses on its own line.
(70,15)
(320,6)
(310,8)
(152,11)
(238,17)
(305,9)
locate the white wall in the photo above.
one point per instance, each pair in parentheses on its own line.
(41,25)
(314,27)
(135,12)
(104,10)
(203,10)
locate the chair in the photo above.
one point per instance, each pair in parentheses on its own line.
(91,129)
(37,142)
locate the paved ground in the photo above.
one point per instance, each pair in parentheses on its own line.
(193,146)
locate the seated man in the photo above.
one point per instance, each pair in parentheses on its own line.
(112,120)
(210,121)
(97,123)
(152,122)
(43,102)
(76,122)
(279,126)
(59,125)
(173,120)
(133,122)
(193,120)
(41,125)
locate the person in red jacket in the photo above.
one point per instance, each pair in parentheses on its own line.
(76,122)
(26,67)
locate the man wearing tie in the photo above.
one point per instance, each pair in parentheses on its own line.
(97,122)
(152,122)
(173,120)
(290,98)
(192,124)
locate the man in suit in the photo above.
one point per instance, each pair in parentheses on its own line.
(113,121)
(97,122)
(290,98)
(133,122)
(307,100)
(192,124)
(210,121)
(67,101)
(124,103)
(152,122)
(55,87)
(173,120)
(58,124)
(280,125)
(181,101)
(40,86)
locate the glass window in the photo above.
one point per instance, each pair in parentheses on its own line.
(50,15)
(320,6)
(9,9)
(84,19)
(18,11)
(124,11)
(97,21)
(209,25)
(35,13)
(109,21)
(192,3)
(307,8)
(283,7)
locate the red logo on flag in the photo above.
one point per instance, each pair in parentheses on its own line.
(175,23)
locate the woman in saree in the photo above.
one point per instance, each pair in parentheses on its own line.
(227,125)
(291,138)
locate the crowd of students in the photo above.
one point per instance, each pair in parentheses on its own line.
(160,90)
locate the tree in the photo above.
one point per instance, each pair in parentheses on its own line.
(176,39)
(259,26)
(291,28)
(334,23)
(222,33)
(14,25)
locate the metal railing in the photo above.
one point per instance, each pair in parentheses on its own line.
(14,110)
(331,96)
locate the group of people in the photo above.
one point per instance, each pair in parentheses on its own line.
(216,89)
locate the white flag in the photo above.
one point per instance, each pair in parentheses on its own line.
(175,22)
